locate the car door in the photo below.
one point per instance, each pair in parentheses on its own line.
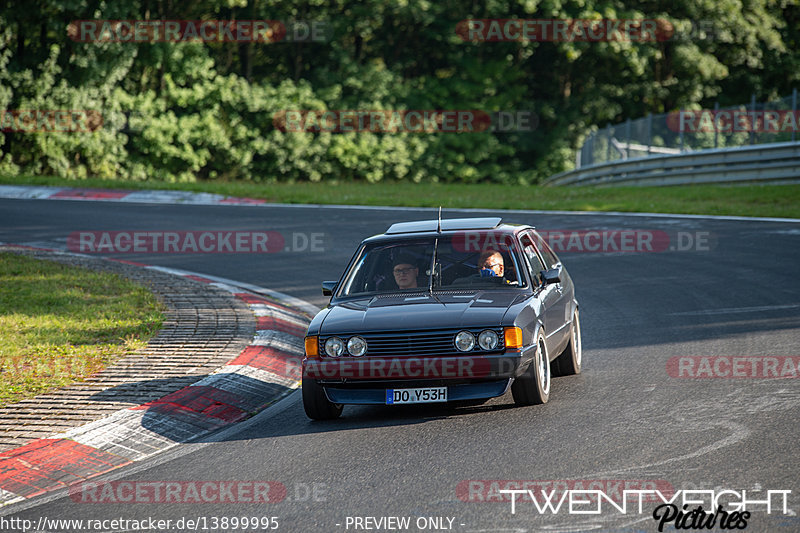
(549,295)
(551,260)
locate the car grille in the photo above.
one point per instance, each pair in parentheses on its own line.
(416,343)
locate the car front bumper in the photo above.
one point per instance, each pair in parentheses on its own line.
(365,380)
(338,393)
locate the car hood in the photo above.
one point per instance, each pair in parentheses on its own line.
(419,311)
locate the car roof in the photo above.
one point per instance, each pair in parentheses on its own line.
(418,228)
(451,224)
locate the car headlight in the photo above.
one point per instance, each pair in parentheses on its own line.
(334,346)
(488,339)
(465,341)
(356,346)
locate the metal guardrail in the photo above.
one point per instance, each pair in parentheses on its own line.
(778,162)
(667,133)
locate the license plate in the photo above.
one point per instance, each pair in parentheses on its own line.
(424,395)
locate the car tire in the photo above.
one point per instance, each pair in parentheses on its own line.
(570,361)
(316,403)
(534,386)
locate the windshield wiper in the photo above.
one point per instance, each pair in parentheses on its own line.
(432,269)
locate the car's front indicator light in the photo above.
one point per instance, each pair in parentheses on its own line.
(312,347)
(513,337)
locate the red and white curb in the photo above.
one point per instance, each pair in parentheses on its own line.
(263,373)
(24,192)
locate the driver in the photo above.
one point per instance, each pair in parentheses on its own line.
(491,271)
(490,264)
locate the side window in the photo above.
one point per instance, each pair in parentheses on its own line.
(535,265)
(548,254)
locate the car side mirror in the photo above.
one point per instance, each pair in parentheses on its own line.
(328,287)
(551,276)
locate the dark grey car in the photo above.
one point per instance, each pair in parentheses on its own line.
(443,311)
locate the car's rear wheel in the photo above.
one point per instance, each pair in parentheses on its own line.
(316,403)
(570,360)
(534,387)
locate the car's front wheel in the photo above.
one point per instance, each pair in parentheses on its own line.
(534,387)
(316,403)
(569,362)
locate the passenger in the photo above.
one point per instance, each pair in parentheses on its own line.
(405,273)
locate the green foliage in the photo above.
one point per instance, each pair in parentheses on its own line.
(180,112)
(60,324)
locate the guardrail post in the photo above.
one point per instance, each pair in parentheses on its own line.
(628,139)
(608,142)
(649,131)
(716,130)
(794,109)
(753,118)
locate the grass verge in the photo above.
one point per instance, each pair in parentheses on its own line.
(745,200)
(60,324)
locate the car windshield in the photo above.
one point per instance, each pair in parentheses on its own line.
(465,260)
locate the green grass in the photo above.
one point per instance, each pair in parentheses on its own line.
(746,200)
(60,324)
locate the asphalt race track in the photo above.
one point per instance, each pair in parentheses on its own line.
(626,418)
